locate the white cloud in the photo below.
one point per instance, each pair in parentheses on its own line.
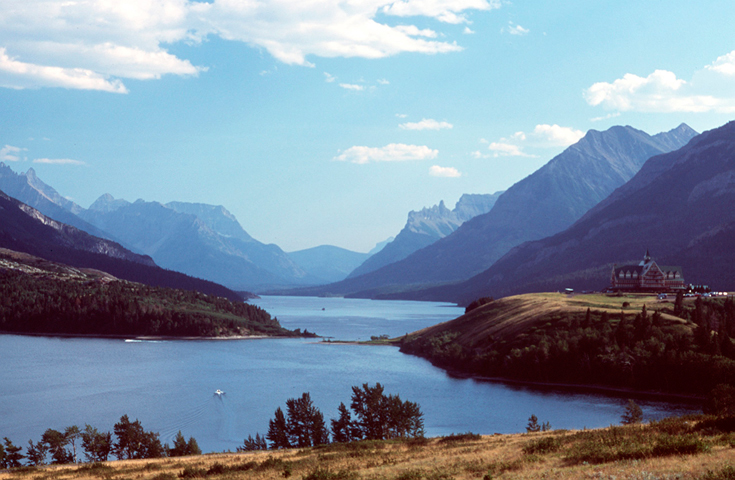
(662,91)
(59,161)
(401,115)
(329,78)
(515,29)
(383,81)
(605,117)
(556,136)
(501,149)
(724,64)
(542,136)
(96,44)
(15,74)
(449,172)
(426,124)
(468,31)
(352,86)
(394,152)
(448,11)
(10,153)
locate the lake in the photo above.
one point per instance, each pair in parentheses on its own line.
(48,382)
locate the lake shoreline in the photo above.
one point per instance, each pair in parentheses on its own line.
(142,337)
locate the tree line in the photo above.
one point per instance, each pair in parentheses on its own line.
(128,441)
(36,304)
(377,416)
(639,350)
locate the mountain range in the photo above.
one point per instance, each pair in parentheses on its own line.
(25,229)
(542,204)
(679,206)
(426,227)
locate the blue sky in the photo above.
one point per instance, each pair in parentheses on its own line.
(325,122)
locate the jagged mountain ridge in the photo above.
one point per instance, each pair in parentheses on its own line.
(25,229)
(29,189)
(425,227)
(542,204)
(679,206)
(218,248)
(185,242)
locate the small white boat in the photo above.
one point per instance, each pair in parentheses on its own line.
(219,392)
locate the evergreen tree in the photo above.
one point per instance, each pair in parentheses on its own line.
(193,447)
(56,442)
(96,445)
(305,424)
(278,431)
(72,434)
(36,453)
(533,425)
(343,429)
(180,447)
(12,454)
(633,413)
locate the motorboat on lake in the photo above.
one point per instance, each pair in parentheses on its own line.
(219,392)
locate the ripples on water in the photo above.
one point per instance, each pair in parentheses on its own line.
(169,385)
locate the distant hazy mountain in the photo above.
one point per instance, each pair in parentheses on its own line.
(380,245)
(426,227)
(329,263)
(29,189)
(25,229)
(544,203)
(679,206)
(212,246)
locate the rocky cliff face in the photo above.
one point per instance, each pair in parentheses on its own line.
(425,227)
(29,189)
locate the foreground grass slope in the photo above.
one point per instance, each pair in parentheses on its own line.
(629,341)
(697,447)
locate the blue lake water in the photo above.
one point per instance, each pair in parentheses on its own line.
(169,386)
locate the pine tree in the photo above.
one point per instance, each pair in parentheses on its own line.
(12,454)
(278,431)
(633,413)
(533,425)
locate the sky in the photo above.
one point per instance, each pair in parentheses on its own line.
(326,122)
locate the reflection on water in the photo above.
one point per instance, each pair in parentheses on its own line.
(169,386)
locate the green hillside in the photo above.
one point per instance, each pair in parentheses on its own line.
(42,297)
(635,342)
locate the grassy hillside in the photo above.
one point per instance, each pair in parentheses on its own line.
(699,448)
(633,341)
(42,297)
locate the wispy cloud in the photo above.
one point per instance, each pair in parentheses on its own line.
(542,136)
(352,86)
(426,124)
(10,153)
(515,29)
(329,78)
(394,152)
(97,44)
(605,117)
(58,161)
(383,81)
(709,90)
(449,172)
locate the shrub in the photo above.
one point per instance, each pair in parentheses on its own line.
(543,445)
(460,437)
(326,474)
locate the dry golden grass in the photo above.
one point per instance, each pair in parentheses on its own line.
(496,457)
